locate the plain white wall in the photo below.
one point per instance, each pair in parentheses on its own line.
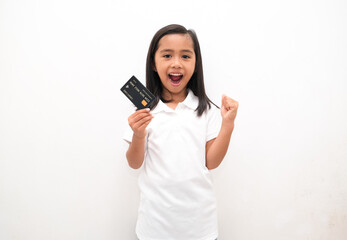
(63,174)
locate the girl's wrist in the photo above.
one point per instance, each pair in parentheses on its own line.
(227,127)
(139,137)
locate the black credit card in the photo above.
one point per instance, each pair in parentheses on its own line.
(138,94)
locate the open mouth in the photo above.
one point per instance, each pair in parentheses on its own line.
(175,78)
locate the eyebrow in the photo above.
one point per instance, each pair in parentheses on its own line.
(170,50)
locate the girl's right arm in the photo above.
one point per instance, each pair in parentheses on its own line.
(138,122)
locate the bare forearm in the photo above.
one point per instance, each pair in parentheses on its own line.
(136,152)
(216,152)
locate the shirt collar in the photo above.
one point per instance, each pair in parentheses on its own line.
(191,101)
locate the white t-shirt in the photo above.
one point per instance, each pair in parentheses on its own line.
(177,197)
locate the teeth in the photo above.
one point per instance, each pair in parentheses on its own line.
(176,74)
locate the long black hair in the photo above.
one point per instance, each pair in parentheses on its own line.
(196,83)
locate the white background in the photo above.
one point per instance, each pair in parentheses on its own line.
(63,172)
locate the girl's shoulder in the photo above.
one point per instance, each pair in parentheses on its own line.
(212,113)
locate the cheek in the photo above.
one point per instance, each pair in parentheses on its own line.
(161,72)
(193,67)
(154,64)
(193,64)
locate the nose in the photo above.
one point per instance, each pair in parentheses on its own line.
(176,62)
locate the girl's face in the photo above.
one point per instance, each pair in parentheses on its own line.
(175,64)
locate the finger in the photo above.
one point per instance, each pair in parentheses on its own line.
(144,125)
(138,115)
(232,103)
(226,102)
(142,128)
(144,119)
(143,110)
(140,122)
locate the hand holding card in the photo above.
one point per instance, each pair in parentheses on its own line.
(138,121)
(137,93)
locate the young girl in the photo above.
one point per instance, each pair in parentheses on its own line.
(178,140)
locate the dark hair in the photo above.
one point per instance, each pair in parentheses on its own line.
(196,83)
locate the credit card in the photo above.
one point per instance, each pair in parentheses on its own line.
(138,94)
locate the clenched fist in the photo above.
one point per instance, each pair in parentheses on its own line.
(229,110)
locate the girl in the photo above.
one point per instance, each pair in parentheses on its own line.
(178,140)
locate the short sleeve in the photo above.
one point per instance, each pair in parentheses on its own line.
(214,121)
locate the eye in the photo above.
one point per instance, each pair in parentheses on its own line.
(185,56)
(167,56)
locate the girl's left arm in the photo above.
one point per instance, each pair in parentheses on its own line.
(218,147)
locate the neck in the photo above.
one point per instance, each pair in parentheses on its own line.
(175,97)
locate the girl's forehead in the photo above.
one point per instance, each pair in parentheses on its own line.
(176,40)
